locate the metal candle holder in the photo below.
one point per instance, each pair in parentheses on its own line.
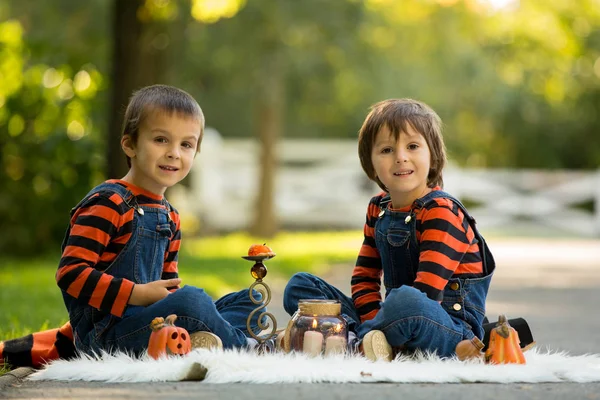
(258,272)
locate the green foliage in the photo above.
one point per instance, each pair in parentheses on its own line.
(516,87)
(30,299)
(48,158)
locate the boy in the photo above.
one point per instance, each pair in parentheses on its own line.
(118,268)
(436,266)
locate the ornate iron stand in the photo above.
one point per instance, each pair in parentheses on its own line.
(258,272)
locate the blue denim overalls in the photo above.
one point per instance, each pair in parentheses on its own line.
(141,261)
(407,316)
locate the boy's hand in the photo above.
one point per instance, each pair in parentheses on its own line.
(145,294)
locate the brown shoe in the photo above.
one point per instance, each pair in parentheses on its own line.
(205,340)
(375,347)
(469,349)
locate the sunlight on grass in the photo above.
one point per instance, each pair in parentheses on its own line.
(215,263)
(30,300)
(330,245)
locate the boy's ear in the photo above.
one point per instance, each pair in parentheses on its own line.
(128,146)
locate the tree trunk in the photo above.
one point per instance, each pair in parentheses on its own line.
(270,106)
(139,50)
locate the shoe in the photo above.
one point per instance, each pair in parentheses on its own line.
(205,340)
(375,347)
(469,349)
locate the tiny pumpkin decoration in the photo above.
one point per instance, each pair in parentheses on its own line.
(167,339)
(504,347)
(260,250)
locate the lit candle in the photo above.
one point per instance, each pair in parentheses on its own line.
(335,345)
(313,343)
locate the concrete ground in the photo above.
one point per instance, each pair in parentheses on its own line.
(554,284)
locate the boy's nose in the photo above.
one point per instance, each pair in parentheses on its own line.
(173,153)
(401,157)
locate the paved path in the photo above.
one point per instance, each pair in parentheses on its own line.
(554,284)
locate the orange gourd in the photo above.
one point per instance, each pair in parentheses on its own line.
(504,347)
(260,250)
(167,339)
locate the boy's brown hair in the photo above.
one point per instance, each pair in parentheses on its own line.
(162,98)
(396,114)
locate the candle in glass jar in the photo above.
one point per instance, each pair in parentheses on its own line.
(335,345)
(313,343)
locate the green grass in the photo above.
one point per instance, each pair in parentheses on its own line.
(30,300)
(216,264)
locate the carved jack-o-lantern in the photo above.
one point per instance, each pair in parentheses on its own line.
(504,347)
(167,339)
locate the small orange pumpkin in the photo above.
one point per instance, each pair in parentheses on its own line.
(260,250)
(504,347)
(167,339)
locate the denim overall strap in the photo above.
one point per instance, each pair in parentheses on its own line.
(107,187)
(486,256)
(396,241)
(142,259)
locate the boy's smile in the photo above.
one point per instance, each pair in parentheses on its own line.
(402,165)
(164,152)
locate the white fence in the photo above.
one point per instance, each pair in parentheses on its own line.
(320,184)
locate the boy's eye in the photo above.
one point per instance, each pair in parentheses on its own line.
(187,145)
(160,140)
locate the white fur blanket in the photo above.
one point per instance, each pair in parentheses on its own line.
(239,366)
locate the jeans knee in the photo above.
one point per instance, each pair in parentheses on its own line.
(190,301)
(301,279)
(294,289)
(407,301)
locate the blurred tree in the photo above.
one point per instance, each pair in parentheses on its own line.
(262,63)
(269,111)
(140,58)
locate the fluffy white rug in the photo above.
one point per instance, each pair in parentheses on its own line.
(235,366)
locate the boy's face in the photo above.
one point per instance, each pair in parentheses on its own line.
(164,152)
(402,165)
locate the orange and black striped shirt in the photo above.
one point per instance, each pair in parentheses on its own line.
(99,230)
(446,249)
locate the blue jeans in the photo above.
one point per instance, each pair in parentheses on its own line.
(141,261)
(195,311)
(407,316)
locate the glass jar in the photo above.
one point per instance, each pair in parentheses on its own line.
(317,328)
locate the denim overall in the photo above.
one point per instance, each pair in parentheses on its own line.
(407,316)
(141,261)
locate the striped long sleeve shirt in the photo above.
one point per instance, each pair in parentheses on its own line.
(446,249)
(99,230)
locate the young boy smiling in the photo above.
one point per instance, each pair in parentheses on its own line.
(436,267)
(119,268)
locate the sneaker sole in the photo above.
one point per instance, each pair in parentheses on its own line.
(205,340)
(376,346)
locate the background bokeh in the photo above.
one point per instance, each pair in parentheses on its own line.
(517,84)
